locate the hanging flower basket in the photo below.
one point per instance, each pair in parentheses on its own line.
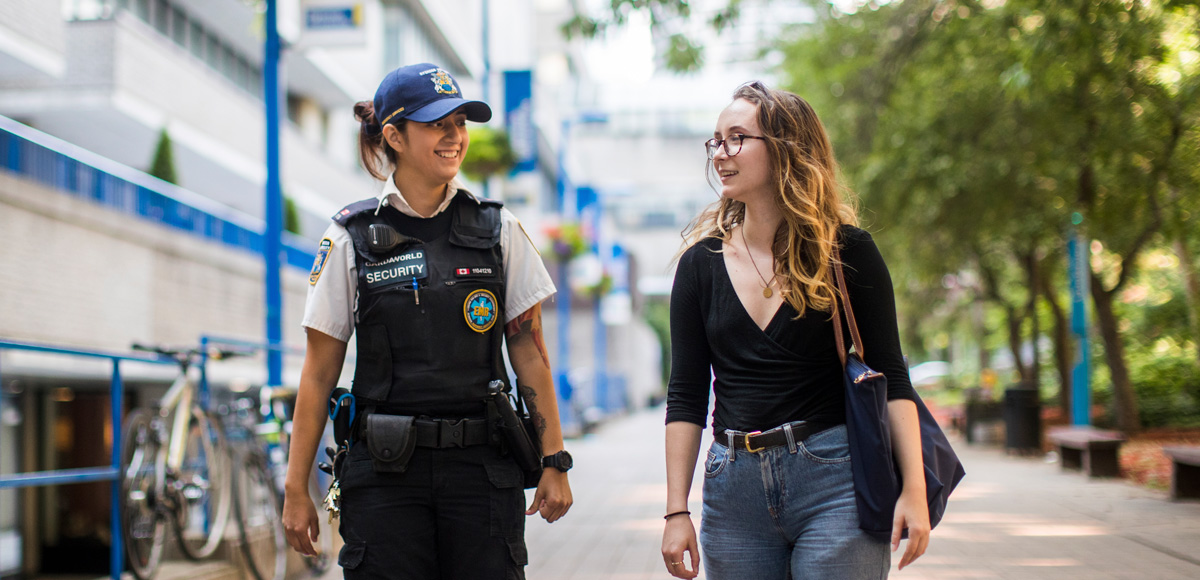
(490,153)
(566,241)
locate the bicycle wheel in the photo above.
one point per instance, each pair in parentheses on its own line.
(144,462)
(259,519)
(202,487)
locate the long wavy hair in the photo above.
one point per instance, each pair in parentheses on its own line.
(807,193)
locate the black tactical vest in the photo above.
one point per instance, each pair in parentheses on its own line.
(430,312)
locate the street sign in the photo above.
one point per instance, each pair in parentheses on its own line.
(333,23)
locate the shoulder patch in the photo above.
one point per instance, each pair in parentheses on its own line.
(343,216)
(319,263)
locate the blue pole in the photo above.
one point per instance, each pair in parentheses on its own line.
(601,353)
(563,305)
(116,556)
(274,206)
(561,182)
(487,73)
(1081,375)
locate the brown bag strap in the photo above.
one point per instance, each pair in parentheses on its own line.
(837,321)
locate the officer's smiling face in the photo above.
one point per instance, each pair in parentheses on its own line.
(433,151)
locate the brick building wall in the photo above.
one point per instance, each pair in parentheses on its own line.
(74,273)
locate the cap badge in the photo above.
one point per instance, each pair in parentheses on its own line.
(443,84)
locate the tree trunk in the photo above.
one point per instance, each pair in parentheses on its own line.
(1035,331)
(1125,402)
(1014,341)
(1191,285)
(1063,353)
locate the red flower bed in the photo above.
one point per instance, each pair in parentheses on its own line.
(1142,458)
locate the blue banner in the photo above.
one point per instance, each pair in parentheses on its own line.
(518,118)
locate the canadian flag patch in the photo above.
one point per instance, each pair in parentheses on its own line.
(462,271)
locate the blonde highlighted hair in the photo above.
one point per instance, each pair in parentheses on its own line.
(807,193)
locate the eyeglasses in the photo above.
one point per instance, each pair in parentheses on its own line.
(732,143)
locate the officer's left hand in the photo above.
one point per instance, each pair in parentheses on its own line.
(553,496)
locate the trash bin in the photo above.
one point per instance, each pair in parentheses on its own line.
(982,417)
(1022,420)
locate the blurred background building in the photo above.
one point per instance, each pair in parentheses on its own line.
(108,244)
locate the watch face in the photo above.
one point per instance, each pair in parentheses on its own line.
(561,461)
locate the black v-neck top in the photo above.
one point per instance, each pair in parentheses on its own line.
(789,371)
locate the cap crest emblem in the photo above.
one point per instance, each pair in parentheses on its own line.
(443,84)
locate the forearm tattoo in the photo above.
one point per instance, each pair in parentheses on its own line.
(530,396)
(529,325)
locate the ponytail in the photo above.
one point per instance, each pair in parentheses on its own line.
(377,158)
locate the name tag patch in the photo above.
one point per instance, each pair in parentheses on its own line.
(484,272)
(319,263)
(480,310)
(399,269)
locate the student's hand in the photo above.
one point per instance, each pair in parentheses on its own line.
(300,523)
(553,496)
(679,536)
(912,512)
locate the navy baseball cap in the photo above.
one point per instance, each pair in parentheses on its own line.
(424,93)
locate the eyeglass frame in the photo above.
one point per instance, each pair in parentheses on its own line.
(711,145)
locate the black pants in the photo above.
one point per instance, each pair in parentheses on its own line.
(454,514)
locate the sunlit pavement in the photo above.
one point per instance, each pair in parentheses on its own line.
(1012,518)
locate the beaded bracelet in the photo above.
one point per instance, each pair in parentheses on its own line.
(673,514)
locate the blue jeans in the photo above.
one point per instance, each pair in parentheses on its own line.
(784,510)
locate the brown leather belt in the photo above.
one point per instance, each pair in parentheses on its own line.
(756,441)
(443,433)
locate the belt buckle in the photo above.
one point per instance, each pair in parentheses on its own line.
(749,447)
(452,433)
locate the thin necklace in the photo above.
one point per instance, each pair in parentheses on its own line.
(766,285)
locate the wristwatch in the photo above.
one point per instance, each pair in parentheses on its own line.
(561,461)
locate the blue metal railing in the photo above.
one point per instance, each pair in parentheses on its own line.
(86,175)
(113,471)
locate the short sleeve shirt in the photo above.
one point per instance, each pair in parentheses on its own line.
(333,287)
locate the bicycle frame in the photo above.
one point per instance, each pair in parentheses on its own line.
(178,400)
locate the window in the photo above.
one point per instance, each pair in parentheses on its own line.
(196,40)
(179,27)
(162,17)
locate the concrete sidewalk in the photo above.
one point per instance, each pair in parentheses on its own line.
(1011,518)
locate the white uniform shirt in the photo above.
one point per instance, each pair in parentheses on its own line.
(333,285)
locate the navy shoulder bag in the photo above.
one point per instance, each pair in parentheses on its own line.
(877,480)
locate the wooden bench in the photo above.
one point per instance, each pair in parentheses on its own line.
(1089,449)
(1185,472)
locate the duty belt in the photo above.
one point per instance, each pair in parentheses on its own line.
(443,433)
(755,441)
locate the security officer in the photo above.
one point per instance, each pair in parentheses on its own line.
(428,277)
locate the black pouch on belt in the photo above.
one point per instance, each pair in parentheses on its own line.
(391,440)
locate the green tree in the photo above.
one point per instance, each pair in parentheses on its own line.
(162,165)
(291,216)
(972,130)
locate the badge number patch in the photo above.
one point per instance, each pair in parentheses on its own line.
(480,310)
(319,263)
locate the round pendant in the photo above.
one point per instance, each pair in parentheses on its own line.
(767,292)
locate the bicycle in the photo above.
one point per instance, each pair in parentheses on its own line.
(259,433)
(181,474)
(279,444)
(257,507)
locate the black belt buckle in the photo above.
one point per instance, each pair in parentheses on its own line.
(452,433)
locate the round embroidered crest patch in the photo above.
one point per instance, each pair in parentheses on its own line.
(480,310)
